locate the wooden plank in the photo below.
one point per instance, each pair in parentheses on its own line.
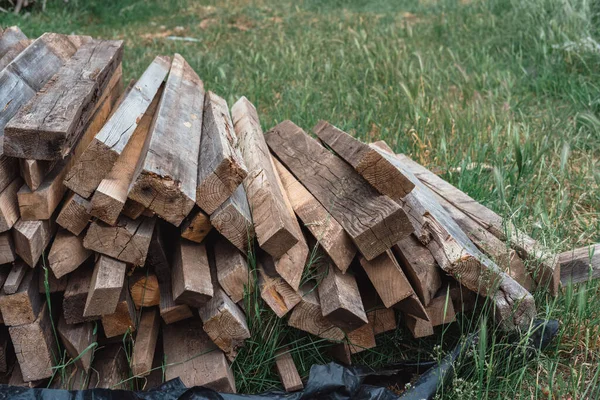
(105,287)
(196,226)
(191,356)
(111,369)
(579,265)
(221,168)
(373,221)
(191,278)
(7,248)
(382,319)
(75,214)
(15,277)
(34,171)
(234,221)
(232,270)
(110,197)
(169,311)
(275,291)
(421,268)
(49,126)
(9,37)
(307,316)
(9,206)
(145,342)
(288,373)
(533,252)
(441,308)
(167,181)
(31,238)
(13,52)
(79,342)
(128,241)
(143,287)
(67,253)
(76,293)
(123,320)
(459,257)
(41,203)
(387,277)
(104,150)
(273,224)
(341,303)
(35,346)
(419,328)
(376,170)
(328,232)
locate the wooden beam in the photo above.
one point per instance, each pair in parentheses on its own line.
(232,270)
(418,327)
(51,124)
(579,265)
(133,209)
(307,316)
(7,248)
(169,311)
(110,197)
(341,303)
(382,320)
(76,293)
(192,284)
(31,239)
(191,356)
(196,226)
(167,181)
(387,277)
(441,308)
(545,261)
(234,221)
(54,285)
(35,346)
(23,306)
(105,287)
(221,168)
(376,170)
(9,38)
(9,205)
(79,340)
(143,287)
(288,373)
(275,291)
(373,221)
(111,369)
(100,156)
(128,241)
(420,267)
(67,253)
(459,257)
(15,277)
(124,318)
(145,342)
(33,172)
(273,224)
(75,214)
(324,228)
(225,323)
(13,52)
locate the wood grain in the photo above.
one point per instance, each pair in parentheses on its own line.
(15,277)
(288,373)
(232,270)
(234,221)
(105,287)
(67,253)
(307,316)
(580,265)
(74,215)
(9,205)
(31,239)
(78,340)
(123,320)
(192,283)
(145,342)
(196,226)
(7,248)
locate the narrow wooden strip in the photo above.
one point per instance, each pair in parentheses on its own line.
(192,284)
(75,214)
(167,181)
(196,226)
(145,342)
(123,320)
(9,205)
(31,239)
(16,275)
(67,253)
(102,153)
(273,224)
(328,232)
(288,373)
(373,221)
(580,265)
(78,340)
(307,316)
(232,270)
(221,168)
(128,241)
(105,287)
(234,221)
(7,248)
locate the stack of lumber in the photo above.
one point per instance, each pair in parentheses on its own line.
(108,200)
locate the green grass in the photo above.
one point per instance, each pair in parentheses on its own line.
(447,82)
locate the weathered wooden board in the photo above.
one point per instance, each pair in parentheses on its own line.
(373,221)
(47,283)
(74,215)
(191,356)
(31,239)
(13,52)
(459,257)
(123,320)
(7,248)
(111,369)
(196,226)
(324,228)
(145,342)
(17,272)
(418,327)
(580,265)
(105,287)
(382,320)
(275,291)
(234,221)
(288,373)
(9,37)
(307,316)
(78,340)
(167,181)
(192,283)
(67,253)
(104,150)
(232,272)
(273,224)
(23,306)
(441,308)
(34,171)
(49,126)
(169,311)
(221,168)
(9,205)
(128,241)
(76,294)
(143,287)
(387,277)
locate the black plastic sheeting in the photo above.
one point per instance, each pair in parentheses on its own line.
(325,382)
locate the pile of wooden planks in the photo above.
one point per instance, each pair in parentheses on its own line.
(108,200)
